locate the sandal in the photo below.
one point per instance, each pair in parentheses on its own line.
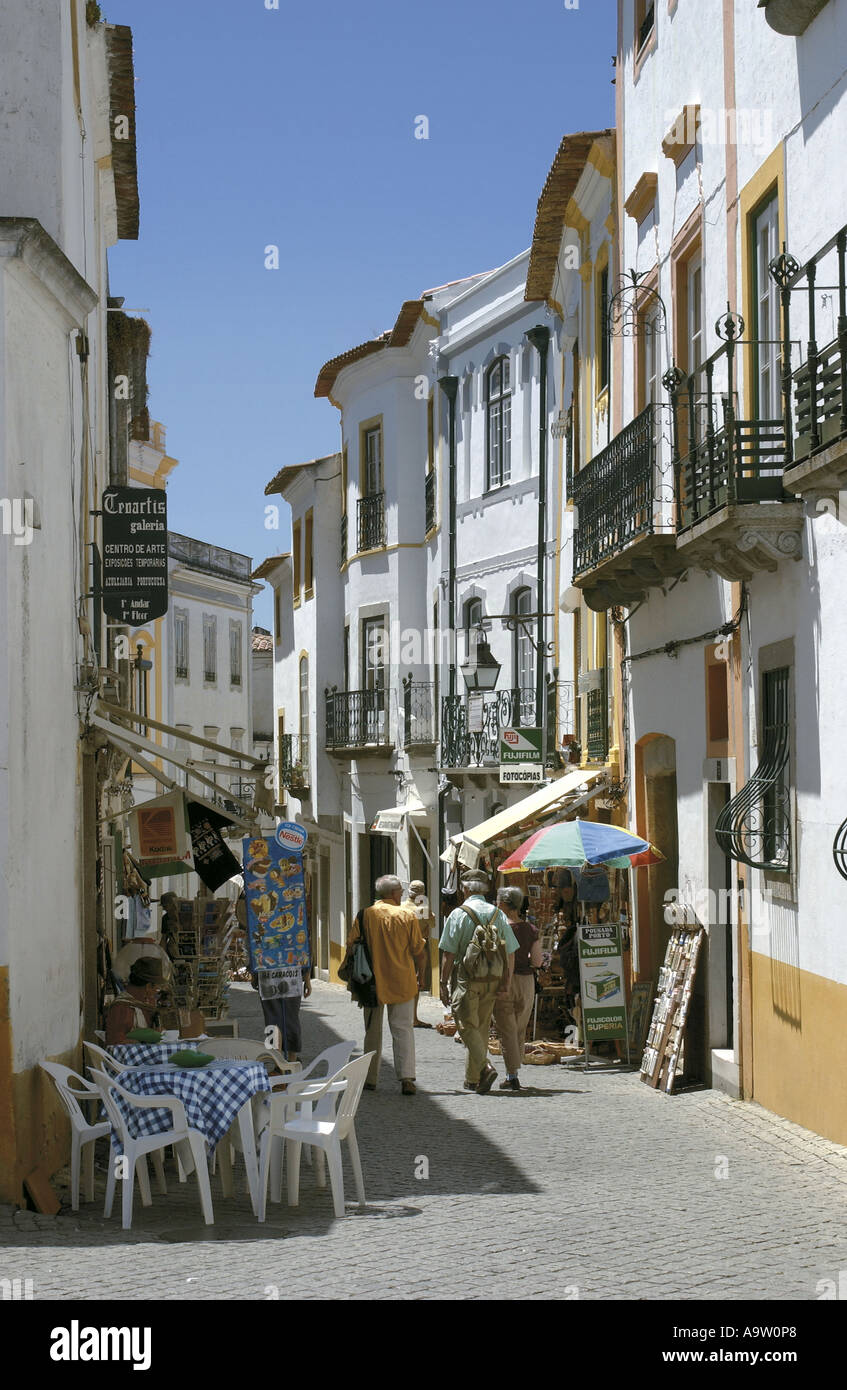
(419,1023)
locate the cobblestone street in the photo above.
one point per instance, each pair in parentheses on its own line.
(593,1187)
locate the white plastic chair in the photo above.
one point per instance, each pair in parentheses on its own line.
(114,1068)
(246,1050)
(331,1060)
(135,1150)
(104,1060)
(72,1089)
(242,1050)
(324,1134)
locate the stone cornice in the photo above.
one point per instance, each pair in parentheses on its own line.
(24,239)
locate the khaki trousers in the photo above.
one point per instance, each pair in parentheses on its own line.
(401,1021)
(473,1025)
(511,1017)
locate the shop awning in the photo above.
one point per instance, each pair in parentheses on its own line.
(563,795)
(390,821)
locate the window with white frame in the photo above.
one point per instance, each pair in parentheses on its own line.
(473,619)
(766,345)
(524,662)
(210,647)
(372,478)
(181,644)
(235,647)
(498,402)
(304,712)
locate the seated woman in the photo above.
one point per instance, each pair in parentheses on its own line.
(135,1007)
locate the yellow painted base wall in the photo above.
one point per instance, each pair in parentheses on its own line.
(800,1046)
(336,955)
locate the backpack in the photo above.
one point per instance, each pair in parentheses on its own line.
(485,955)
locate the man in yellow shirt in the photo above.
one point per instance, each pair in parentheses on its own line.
(397,948)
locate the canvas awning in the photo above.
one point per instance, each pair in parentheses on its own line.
(390,821)
(565,794)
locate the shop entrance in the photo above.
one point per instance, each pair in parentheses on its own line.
(656,821)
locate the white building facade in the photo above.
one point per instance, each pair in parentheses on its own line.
(707,528)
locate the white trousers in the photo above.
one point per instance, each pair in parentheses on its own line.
(401,1021)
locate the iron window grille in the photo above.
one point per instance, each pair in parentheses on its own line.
(371,518)
(430,501)
(754,827)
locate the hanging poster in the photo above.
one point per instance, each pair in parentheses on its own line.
(286,983)
(161,837)
(214,862)
(602,981)
(275,892)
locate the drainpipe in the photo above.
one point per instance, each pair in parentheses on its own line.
(450,386)
(540,339)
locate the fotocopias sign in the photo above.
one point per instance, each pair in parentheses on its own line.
(135,554)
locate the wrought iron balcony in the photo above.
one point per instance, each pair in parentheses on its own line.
(430,501)
(418,713)
(357,720)
(819,461)
(294,774)
(623,532)
(343,559)
(371,521)
(471,725)
(733,512)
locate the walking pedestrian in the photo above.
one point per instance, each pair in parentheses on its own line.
(397,949)
(511,1013)
(479,948)
(417,900)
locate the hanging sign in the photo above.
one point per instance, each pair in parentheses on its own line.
(135,554)
(602,982)
(275,892)
(214,862)
(521,755)
(160,835)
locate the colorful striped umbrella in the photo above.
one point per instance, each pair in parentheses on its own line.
(572,843)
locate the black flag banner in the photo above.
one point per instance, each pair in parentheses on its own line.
(214,863)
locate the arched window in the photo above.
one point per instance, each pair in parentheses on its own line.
(524,656)
(498,406)
(304,711)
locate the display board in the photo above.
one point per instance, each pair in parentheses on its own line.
(601,977)
(274,888)
(663,1059)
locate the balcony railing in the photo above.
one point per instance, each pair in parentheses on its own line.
(820,383)
(615,495)
(357,719)
(418,713)
(371,521)
(294,764)
(343,559)
(597,719)
(471,725)
(741,462)
(430,501)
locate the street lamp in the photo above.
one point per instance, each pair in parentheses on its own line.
(481,670)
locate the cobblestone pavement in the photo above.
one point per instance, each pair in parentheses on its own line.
(588,1186)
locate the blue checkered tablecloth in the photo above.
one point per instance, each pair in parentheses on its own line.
(212,1096)
(138,1054)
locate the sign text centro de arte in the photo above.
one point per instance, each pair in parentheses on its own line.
(291,836)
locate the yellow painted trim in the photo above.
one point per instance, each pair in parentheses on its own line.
(556,306)
(427,318)
(769,176)
(611,223)
(585,270)
(800,1046)
(333,401)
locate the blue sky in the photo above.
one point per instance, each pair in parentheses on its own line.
(295,127)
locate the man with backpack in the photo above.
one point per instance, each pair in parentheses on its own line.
(479,953)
